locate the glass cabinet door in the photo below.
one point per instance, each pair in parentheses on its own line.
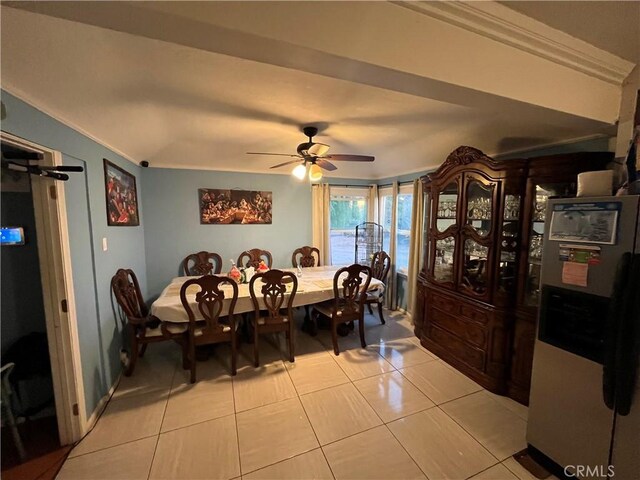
(536,234)
(475,267)
(480,206)
(444,260)
(509,244)
(447,208)
(426,219)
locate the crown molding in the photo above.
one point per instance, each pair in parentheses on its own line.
(61,118)
(500,23)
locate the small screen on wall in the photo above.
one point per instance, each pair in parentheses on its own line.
(11,236)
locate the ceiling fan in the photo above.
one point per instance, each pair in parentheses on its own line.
(314,155)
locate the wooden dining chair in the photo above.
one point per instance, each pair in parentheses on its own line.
(202,263)
(348,302)
(210,300)
(306,257)
(253,257)
(275,313)
(380,265)
(143,328)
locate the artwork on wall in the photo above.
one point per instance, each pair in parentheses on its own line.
(122,196)
(234,206)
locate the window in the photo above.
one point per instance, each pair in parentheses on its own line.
(403,229)
(348,209)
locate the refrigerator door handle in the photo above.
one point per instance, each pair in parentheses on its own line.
(628,347)
(612,330)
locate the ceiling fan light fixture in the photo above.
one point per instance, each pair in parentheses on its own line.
(300,171)
(315,173)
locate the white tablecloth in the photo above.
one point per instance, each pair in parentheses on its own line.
(315,286)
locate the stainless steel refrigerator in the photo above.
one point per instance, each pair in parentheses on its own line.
(584,410)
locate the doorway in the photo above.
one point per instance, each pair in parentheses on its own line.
(39,331)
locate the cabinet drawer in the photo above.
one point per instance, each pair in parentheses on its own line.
(445,304)
(460,327)
(460,350)
(475,314)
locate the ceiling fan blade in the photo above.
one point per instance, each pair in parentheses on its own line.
(278,154)
(285,163)
(318,149)
(326,165)
(350,158)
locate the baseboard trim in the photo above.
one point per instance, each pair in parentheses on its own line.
(102,404)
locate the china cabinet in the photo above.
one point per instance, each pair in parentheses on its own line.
(477,290)
(548,176)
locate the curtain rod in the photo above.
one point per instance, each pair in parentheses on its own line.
(408,182)
(368,185)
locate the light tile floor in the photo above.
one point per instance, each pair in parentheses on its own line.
(392,410)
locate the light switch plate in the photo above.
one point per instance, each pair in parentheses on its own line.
(105,246)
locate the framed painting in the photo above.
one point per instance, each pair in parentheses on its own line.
(220,207)
(121,195)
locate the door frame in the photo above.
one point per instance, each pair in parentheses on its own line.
(54,255)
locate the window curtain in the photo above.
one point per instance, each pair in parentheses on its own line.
(372,205)
(320,220)
(391,278)
(415,246)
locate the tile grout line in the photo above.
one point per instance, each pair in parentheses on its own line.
(310,424)
(127,441)
(473,436)
(404,448)
(235,419)
(512,471)
(425,393)
(478,473)
(469,433)
(109,447)
(387,427)
(164,411)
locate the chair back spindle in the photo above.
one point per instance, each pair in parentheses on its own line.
(210,303)
(347,292)
(126,289)
(273,294)
(202,263)
(306,257)
(380,264)
(253,257)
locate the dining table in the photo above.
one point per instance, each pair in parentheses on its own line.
(315,285)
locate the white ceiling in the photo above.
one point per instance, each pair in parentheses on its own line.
(182,107)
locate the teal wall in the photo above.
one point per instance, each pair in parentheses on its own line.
(173,229)
(98,329)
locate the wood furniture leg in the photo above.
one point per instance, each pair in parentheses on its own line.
(134,352)
(310,324)
(380,313)
(256,354)
(290,342)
